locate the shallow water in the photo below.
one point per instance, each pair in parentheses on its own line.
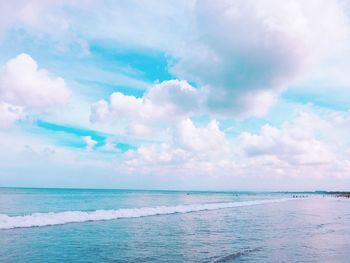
(183,227)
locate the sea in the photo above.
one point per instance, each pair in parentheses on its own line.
(85,225)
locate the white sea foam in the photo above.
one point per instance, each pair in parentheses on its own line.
(49,219)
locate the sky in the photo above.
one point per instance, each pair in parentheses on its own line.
(198,95)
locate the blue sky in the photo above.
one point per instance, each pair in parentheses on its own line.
(207,95)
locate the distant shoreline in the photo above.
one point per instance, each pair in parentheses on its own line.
(317,192)
(338,194)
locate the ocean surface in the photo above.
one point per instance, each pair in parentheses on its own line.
(80,225)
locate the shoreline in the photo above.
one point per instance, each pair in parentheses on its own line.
(338,194)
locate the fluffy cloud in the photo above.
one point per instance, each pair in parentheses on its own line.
(246,52)
(294,143)
(162,103)
(25,87)
(191,150)
(177,97)
(23,83)
(305,147)
(201,140)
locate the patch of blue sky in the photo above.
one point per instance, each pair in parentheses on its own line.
(54,135)
(280,113)
(70,136)
(234,125)
(43,48)
(338,99)
(17,40)
(148,65)
(200,120)
(71,130)
(103,90)
(114,68)
(107,68)
(124,147)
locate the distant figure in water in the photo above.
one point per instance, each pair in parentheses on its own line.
(300,196)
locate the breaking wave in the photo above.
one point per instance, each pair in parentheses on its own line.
(59,218)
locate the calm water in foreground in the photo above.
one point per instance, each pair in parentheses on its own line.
(164,226)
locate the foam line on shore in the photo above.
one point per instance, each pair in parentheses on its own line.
(59,218)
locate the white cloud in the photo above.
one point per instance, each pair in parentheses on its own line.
(309,147)
(23,83)
(191,150)
(90,143)
(25,87)
(175,96)
(200,140)
(163,103)
(246,52)
(294,143)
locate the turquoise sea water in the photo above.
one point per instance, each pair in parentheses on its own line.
(75,225)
